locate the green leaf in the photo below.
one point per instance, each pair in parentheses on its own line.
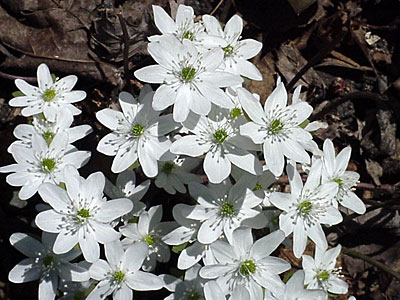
(53,76)
(300,5)
(17,94)
(134,165)
(304,124)
(288,276)
(179,248)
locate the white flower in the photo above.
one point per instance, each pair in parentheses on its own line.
(149,231)
(189,288)
(294,290)
(189,79)
(174,174)
(80,213)
(334,170)
(237,51)
(277,127)
(247,264)
(50,97)
(42,163)
(48,130)
(222,145)
(306,208)
(187,233)
(212,291)
(121,274)
(321,272)
(43,265)
(138,134)
(125,188)
(222,208)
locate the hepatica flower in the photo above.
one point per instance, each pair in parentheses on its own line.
(138,134)
(80,214)
(306,208)
(42,163)
(43,265)
(277,127)
(49,97)
(236,51)
(189,79)
(335,171)
(248,264)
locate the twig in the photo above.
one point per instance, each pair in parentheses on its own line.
(371,261)
(216,8)
(340,100)
(126,51)
(13,77)
(315,59)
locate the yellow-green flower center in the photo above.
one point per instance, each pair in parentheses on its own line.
(118,276)
(83,213)
(149,240)
(323,275)
(188,35)
(168,167)
(228,50)
(276,126)
(49,95)
(305,207)
(227,209)
(247,267)
(137,130)
(235,112)
(338,181)
(48,261)
(48,165)
(220,135)
(258,187)
(194,296)
(188,73)
(48,136)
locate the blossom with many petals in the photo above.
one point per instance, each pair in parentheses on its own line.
(50,97)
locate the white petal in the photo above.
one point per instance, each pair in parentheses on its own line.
(274,158)
(26,244)
(210,231)
(249,48)
(317,235)
(190,145)
(44,77)
(216,166)
(248,69)
(26,88)
(65,241)
(89,246)
(164,96)
(48,287)
(277,99)
(163,21)
(351,200)
(109,118)
(50,221)
(114,209)
(153,74)
(25,271)
(266,245)
(142,281)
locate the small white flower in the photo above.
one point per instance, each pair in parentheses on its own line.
(222,208)
(189,79)
(335,171)
(121,274)
(294,290)
(174,174)
(222,145)
(80,213)
(247,264)
(277,127)
(138,134)
(42,163)
(48,130)
(149,231)
(236,51)
(43,265)
(50,97)
(321,272)
(306,208)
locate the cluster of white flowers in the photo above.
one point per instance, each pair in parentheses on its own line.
(214,123)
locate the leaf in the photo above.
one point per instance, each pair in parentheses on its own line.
(300,5)
(179,248)
(17,94)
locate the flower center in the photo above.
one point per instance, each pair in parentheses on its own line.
(48,261)
(149,240)
(235,112)
(305,207)
(188,35)
(247,267)
(323,275)
(338,181)
(48,136)
(188,73)
(220,135)
(194,296)
(257,187)
(48,165)
(49,95)
(168,167)
(118,276)
(227,209)
(137,130)
(276,126)
(228,50)
(83,213)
